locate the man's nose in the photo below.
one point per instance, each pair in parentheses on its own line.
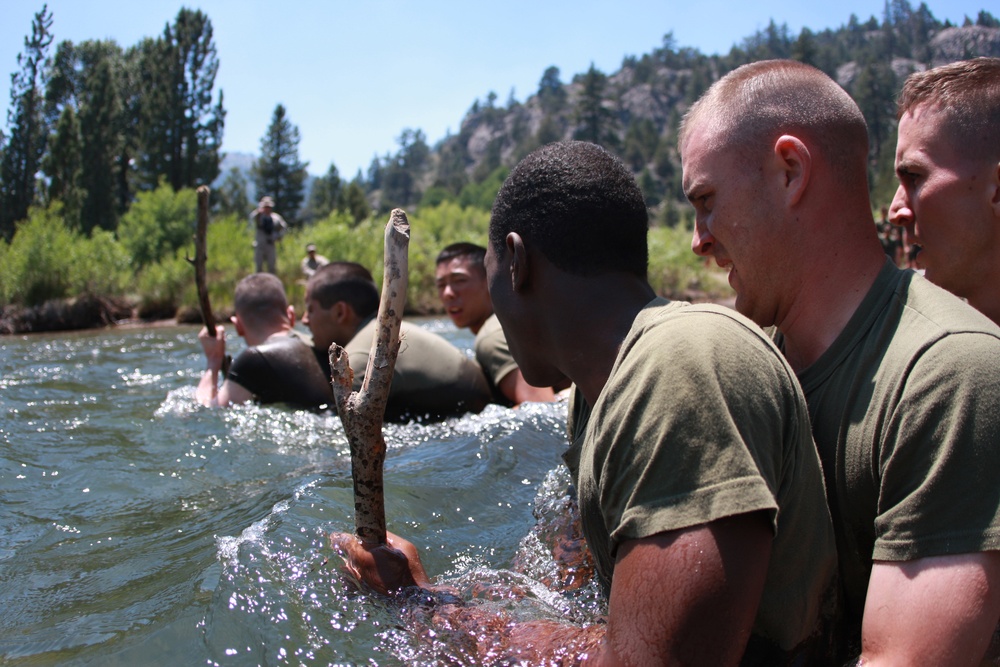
(899,211)
(702,240)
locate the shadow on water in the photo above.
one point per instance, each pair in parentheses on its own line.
(139,528)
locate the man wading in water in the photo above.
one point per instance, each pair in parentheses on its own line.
(700,491)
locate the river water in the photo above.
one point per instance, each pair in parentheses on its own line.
(137,528)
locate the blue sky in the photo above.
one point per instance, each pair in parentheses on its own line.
(354,75)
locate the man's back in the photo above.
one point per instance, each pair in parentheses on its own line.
(432,378)
(283,369)
(702,419)
(906,419)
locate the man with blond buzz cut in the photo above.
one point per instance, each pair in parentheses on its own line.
(902,378)
(948,164)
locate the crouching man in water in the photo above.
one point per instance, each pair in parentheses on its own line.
(460,277)
(276,367)
(432,379)
(700,490)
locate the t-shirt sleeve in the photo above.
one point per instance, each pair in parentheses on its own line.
(698,435)
(494,356)
(943,440)
(247,369)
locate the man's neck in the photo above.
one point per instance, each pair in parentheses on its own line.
(254,338)
(824,302)
(590,344)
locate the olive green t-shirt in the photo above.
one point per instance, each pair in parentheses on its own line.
(905,408)
(494,356)
(432,378)
(702,419)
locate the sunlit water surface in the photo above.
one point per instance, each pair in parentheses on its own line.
(137,528)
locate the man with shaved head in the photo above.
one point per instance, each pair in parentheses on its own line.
(902,379)
(276,366)
(948,163)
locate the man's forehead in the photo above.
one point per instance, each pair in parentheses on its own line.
(925,131)
(460,264)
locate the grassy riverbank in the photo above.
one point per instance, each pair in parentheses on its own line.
(143,266)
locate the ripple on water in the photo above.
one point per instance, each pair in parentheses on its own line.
(142,528)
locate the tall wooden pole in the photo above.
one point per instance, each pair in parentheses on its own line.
(362,412)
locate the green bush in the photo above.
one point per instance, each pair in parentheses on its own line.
(157,223)
(37,263)
(431,229)
(99,266)
(46,260)
(166,285)
(674,270)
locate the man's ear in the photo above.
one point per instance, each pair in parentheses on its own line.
(342,311)
(235,319)
(290,313)
(519,267)
(794,162)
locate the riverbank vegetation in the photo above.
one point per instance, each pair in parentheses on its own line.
(145,265)
(106,144)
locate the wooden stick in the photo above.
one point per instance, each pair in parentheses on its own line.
(200,258)
(199,261)
(362,412)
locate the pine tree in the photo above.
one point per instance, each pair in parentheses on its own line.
(402,172)
(25,146)
(597,123)
(181,127)
(325,195)
(99,118)
(278,172)
(353,201)
(551,94)
(95,79)
(64,166)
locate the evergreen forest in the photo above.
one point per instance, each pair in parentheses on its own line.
(104,145)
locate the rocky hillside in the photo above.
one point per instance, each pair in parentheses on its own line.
(635,111)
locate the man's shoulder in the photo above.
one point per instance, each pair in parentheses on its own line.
(688,324)
(425,342)
(490,331)
(936,312)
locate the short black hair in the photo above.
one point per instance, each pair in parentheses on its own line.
(344,281)
(260,299)
(475,253)
(579,206)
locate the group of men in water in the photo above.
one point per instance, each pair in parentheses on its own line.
(432,380)
(809,479)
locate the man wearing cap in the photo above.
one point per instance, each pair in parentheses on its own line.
(312,261)
(268,228)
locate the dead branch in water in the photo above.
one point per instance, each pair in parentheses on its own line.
(199,261)
(362,412)
(201,257)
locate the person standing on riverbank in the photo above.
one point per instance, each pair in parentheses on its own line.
(311,262)
(902,378)
(948,164)
(460,277)
(432,379)
(700,490)
(268,228)
(276,367)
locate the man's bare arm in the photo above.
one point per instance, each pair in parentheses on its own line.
(931,611)
(688,597)
(683,597)
(517,390)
